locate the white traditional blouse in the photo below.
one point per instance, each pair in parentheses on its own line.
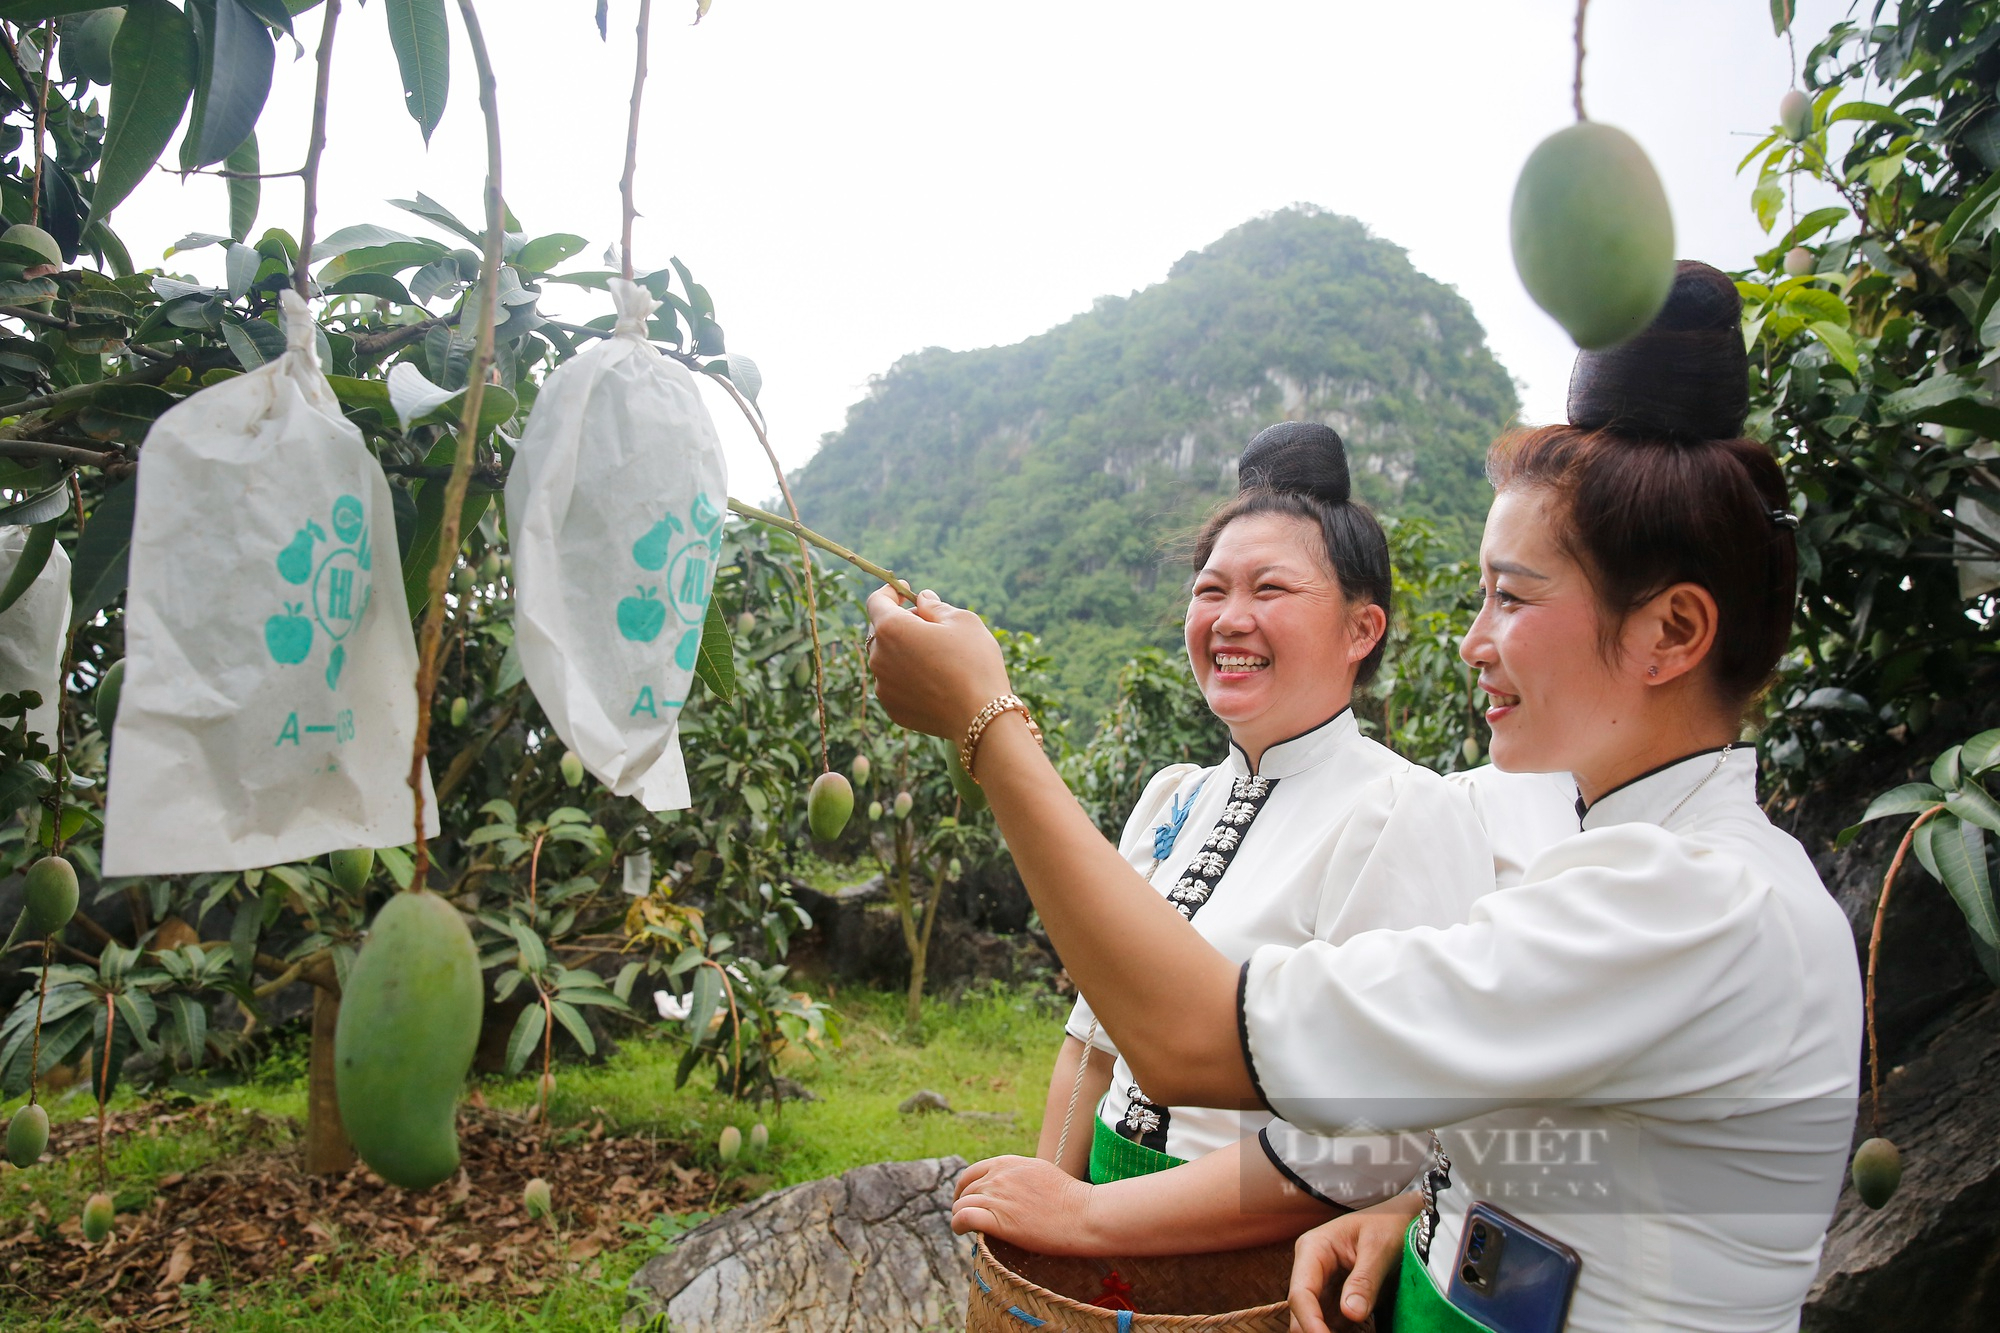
(1647,1049)
(1524,814)
(1333,835)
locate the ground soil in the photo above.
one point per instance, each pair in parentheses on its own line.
(252,1216)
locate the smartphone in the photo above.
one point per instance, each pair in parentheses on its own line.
(1511,1277)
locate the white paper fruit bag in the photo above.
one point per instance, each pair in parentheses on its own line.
(270,698)
(32,631)
(614,512)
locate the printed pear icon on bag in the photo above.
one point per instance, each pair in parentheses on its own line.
(295,562)
(651,550)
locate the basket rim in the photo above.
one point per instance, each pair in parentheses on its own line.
(1069,1305)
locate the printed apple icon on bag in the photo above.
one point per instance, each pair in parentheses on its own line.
(641,618)
(289,636)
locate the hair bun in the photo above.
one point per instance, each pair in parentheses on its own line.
(1684,377)
(1304,457)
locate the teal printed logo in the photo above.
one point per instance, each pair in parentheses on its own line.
(685,553)
(334,576)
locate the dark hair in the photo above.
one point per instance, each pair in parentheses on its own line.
(1658,487)
(1298,469)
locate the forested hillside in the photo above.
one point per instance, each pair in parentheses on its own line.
(1044,483)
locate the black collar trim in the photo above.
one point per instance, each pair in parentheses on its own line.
(1583,808)
(1320,726)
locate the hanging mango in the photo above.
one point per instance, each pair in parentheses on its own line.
(614,506)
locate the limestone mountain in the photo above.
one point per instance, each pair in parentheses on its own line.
(1045,483)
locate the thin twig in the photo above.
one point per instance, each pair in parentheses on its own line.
(461,465)
(827,544)
(110,1021)
(37,317)
(316,145)
(41,1001)
(64,453)
(632,139)
(41,123)
(756,421)
(1874,950)
(1576,88)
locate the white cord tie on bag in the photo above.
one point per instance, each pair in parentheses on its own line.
(298,324)
(635,306)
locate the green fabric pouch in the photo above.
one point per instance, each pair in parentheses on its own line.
(1115,1157)
(1415,1304)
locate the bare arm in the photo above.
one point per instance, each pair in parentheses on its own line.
(1230,1199)
(1074,1100)
(1165,995)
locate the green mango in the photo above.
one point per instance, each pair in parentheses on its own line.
(409,1022)
(760,1138)
(1593,238)
(730,1143)
(537,1199)
(970,794)
(1795,115)
(459,708)
(98,1214)
(862,768)
(1799,261)
(33,238)
(874,811)
(572,769)
(109,687)
(351,868)
(86,44)
(746,621)
(50,894)
(1878,1170)
(903,804)
(829,805)
(27,1135)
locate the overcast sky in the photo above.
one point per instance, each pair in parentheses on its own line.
(855,181)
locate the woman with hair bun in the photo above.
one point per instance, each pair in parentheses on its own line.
(1644,1056)
(1306,830)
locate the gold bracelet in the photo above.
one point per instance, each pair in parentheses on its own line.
(1006,703)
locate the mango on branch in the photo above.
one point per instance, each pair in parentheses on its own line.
(572,769)
(1795,115)
(27,1135)
(352,867)
(50,893)
(1593,238)
(409,1022)
(109,687)
(34,238)
(98,1214)
(1878,1170)
(1799,261)
(729,1143)
(537,1199)
(874,811)
(904,804)
(829,804)
(862,768)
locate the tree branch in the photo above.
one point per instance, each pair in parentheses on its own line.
(62,453)
(316,145)
(632,139)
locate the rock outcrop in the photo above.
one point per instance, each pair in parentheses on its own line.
(869,1249)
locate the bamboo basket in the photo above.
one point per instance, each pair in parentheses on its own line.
(1241,1291)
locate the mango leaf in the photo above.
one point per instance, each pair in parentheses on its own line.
(33,560)
(238,74)
(187,1021)
(526,1037)
(370,284)
(153,66)
(1972,804)
(1838,343)
(34,11)
(381,259)
(397,862)
(1812,304)
(1960,851)
(545,252)
(715,663)
(1869,111)
(38,508)
(275,13)
(1947,770)
(1811,225)
(707,995)
(432,211)
(412,394)
(244,194)
(98,570)
(570,1018)
(422,44)
(1981,752)
(430,525)
(123,412)
(359,236)
(240,265)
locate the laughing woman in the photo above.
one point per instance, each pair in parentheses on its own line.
(1307,830)
(1646,1050)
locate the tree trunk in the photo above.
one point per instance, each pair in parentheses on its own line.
(327,1150)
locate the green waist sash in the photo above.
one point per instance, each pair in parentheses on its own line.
(1413,1302)
(1115,1157)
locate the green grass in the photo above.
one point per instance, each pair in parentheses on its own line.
(989,1051)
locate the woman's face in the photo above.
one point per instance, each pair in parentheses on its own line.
(1273,641)
(1557,699)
